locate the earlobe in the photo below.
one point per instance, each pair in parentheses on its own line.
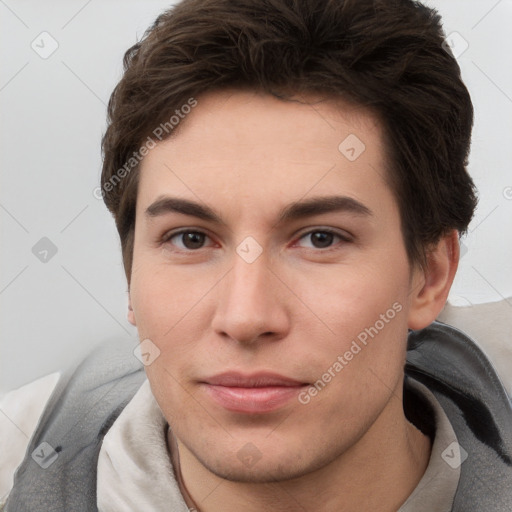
(431,285)
(131,315)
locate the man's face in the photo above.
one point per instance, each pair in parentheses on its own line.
(250,310)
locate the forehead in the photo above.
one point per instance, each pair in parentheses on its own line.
(254,119)
(248,148)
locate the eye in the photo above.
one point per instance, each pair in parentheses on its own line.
(187,240)
(322,238)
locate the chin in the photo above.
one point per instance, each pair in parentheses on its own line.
(271,465)
(261,473)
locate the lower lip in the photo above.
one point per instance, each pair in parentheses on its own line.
(252,400)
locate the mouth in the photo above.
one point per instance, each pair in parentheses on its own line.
(257,393)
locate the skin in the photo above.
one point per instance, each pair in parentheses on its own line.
(292,311)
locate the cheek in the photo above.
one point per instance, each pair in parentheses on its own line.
(359,323)
(173,309)
(355,372)
(164,300)
(350,299)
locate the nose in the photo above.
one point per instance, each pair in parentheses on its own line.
(251,304)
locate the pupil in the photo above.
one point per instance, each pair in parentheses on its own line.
(322,239)
(193,240)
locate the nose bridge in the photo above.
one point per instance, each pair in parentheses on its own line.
(249,304)
(248,286)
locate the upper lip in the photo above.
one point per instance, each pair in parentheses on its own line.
(253,380)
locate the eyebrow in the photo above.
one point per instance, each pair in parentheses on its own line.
(294,211)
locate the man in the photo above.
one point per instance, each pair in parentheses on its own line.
(288,179)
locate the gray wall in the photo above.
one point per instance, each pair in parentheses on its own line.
(53,116)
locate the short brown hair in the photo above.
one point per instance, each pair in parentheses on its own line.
(386,55)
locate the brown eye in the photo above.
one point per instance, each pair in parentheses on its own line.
(188,240)
(193,240)
(321,239)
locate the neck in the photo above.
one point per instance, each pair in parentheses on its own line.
(379,472)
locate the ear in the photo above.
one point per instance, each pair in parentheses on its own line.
(131,315)
(430,286)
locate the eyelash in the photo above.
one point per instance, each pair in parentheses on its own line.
(343,238)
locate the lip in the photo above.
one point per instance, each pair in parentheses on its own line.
(256,393)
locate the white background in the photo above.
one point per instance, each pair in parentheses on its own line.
(53,116)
